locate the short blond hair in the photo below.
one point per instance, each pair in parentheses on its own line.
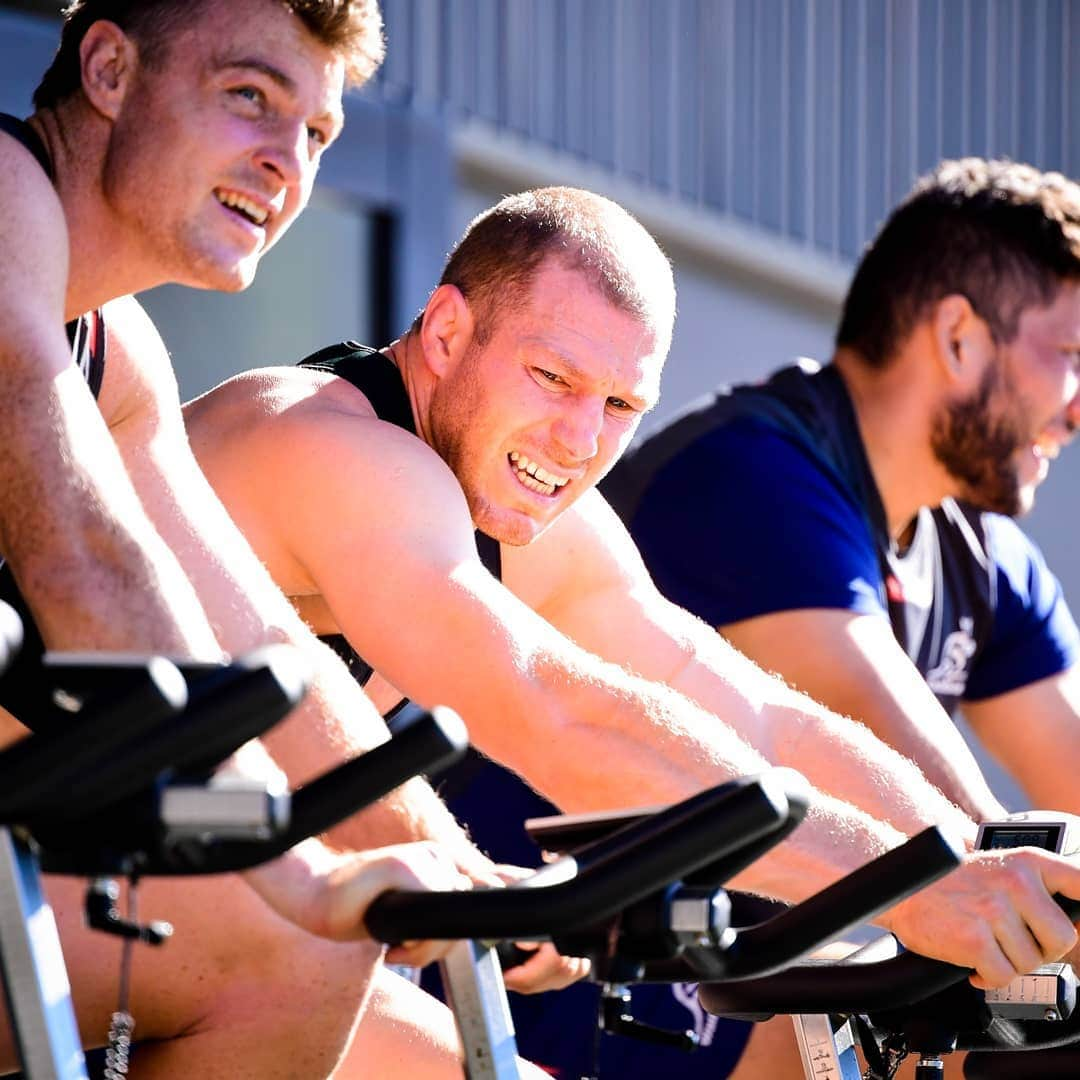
(353,29)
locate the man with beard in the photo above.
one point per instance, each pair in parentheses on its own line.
(851,527)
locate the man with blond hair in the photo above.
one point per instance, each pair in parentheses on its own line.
(176,141)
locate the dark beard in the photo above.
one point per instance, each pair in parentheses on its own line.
(977,448)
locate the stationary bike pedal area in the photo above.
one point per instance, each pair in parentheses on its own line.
(827,1044)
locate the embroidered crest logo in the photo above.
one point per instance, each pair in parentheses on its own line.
(951,674)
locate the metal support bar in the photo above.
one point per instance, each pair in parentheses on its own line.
(827,1054)
(34,976)
(472,979)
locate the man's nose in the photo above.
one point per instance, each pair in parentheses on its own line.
(577,429)
(286,154)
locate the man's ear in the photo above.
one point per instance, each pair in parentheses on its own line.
(963,340)
(108,59)
(446,330)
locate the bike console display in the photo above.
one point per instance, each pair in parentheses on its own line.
(1032,828)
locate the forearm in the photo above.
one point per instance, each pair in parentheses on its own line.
(91,567)
(838,755)
(635,743)
(944,757)
(1034,731)
(847,761)
(590,736)
(832,841)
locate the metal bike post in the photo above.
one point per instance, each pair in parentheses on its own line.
(472,980)
(827,1054)
(34,975)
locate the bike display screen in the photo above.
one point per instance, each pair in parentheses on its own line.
(1011,835)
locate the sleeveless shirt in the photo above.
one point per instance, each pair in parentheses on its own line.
(377,377)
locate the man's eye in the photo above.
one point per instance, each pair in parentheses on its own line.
(550,376)
(620,405)
(250,93)
(317,135)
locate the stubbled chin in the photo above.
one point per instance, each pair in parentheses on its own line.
(511,527)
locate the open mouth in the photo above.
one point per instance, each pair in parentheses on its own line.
(535,477)
(243,207)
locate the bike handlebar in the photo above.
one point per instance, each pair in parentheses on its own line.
(39,774)
(828,914)
(429,742)
(845,986)
(605,877)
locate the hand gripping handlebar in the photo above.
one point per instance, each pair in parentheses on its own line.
(607,876)
(846,986)
(852,900)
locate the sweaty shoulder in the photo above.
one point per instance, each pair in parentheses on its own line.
(33,254)
(746,521)
(294,445)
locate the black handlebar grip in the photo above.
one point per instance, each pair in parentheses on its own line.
(39,775)
(853,899)
(429,742)
(832,987)
(247,697)
(610,874)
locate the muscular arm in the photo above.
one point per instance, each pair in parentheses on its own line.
(1034,731)
(375,520)
(87,560)
(853,664)
(381,530)
(610,605)
(245,608)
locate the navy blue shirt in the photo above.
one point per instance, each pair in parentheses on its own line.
(760,510)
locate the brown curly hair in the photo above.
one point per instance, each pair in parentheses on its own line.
(1002,234)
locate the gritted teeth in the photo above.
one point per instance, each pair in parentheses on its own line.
(235,201)
(524,466)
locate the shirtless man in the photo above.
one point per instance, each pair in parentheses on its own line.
(175,141)
(360,478)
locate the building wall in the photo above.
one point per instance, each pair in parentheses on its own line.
(807,118)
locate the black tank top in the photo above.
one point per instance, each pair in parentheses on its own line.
(377,377)
(21,690)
